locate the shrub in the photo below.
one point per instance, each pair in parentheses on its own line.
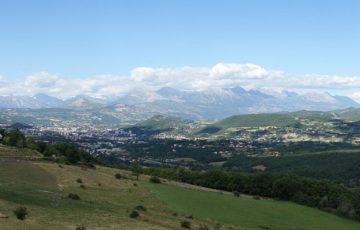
(90,165)
(236,193)
(140,208)
(135,184)
(155,179)
(82,186)
(134,214)
(79,180)
(118,176)
(80,227)
(74,196)
(21,213)
(190,217)
(203,227)
(185,224)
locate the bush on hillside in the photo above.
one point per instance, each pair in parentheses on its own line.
(155,179)
(185,224)
(80,227)
(236,193)
(134,214)
(203,227)
(21,213)
(118,176)
(74,196)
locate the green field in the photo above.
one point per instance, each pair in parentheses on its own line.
(248,213)
(256,120)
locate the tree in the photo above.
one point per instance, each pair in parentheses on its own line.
(136,169)
(15,138)
(355,200)
(285,188)
(31,144)
(72,154)
(42,146)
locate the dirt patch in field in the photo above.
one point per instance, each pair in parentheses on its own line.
(260,168)
(2,216)
(196,187)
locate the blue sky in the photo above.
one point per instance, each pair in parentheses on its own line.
(95,47)
(83,38)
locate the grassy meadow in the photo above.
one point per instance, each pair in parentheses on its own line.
(247,212)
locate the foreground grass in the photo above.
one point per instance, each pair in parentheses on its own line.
(105,203)
(248,212)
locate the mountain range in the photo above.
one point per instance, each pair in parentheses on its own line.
(208,104)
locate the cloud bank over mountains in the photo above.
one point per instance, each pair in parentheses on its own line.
(248,76)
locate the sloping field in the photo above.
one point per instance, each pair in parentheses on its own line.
(105,202)
(248,212)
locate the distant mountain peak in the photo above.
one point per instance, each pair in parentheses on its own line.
(211,103)
(83,102)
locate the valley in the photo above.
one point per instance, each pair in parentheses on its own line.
(278,142)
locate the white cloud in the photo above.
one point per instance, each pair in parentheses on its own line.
(239,71)
(248,76)
(355,96)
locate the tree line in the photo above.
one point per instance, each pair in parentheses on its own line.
(59,152)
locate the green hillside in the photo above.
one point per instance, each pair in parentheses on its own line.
(161,123)
(248,212)
(170,125)
(106,202)
(250,120)
(313,115)
(256,120)
(348,114)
